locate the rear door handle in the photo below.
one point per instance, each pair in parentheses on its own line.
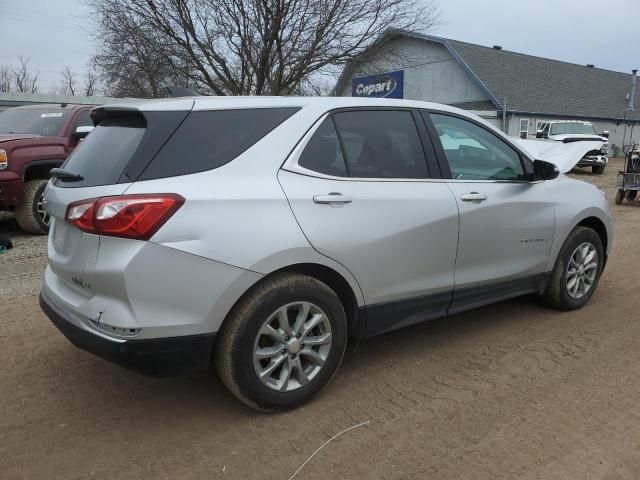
(474,197)
(333,197)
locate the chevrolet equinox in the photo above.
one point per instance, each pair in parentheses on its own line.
(261,233)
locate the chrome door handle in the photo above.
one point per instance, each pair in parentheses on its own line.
(474,197)
(333,197)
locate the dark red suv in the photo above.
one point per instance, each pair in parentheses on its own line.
(33,140)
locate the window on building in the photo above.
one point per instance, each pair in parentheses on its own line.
(524,128)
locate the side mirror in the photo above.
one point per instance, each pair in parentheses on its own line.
(82,132)
(544,170)
(540,134)
(605,134)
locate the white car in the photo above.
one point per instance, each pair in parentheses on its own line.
(590,150)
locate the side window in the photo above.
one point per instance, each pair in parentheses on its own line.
(323,154)
(474,153)
(82,120)
(381,144)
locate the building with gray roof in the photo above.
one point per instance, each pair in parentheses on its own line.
(516,92)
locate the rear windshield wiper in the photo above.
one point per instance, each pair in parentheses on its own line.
(63,174)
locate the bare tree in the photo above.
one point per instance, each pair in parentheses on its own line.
(90,83)
(69,83)
(24,79)
(240,47)
(5,78)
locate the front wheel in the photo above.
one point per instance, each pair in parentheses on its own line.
(282,343)
(597,169)
(32,214)
(619,197)
(577,270)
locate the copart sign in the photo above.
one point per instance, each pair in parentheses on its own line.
(383,85)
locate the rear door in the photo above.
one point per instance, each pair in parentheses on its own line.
(507,221)
(365,189)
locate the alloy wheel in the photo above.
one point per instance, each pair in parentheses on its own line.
(41,209)
(292,346)
(582,270)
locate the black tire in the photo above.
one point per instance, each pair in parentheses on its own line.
(631,195)
(234,349)
(556,293)
(27,214)
(597,169)
(619,197)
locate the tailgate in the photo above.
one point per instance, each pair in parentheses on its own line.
(73,253)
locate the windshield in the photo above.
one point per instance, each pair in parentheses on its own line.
(46,121)
(572,129)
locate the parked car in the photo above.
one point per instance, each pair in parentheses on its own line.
(33,140)
(260,233)
(569,131)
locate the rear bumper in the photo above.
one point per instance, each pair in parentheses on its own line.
(152,356)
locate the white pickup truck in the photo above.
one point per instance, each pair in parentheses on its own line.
(592,148)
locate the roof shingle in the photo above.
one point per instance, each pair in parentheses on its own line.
(541,85)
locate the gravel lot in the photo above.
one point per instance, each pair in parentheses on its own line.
(513,390)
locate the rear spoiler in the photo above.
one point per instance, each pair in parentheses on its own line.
(177,91)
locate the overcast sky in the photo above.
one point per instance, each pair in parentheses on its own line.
(54,33)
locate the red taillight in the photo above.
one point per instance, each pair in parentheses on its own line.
(127,216)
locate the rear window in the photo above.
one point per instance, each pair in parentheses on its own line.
(130,146)
(104,154)
(210,139)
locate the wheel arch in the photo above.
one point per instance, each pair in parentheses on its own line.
(39,169)
(329,276)
(594,223)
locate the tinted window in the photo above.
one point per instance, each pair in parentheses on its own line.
(39,121)
(82,120)
(102,156)
(323,154)
(381,144)
(474,153)
(210,139)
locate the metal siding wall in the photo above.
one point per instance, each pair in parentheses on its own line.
(430,73)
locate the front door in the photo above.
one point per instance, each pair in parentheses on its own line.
(363,196)
(507,222)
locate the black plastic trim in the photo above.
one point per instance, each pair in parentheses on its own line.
(385,317)
(473,297)
(433,166)
(151,357)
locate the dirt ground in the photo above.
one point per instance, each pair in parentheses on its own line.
(509,391)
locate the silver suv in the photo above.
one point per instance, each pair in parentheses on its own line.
(261,233)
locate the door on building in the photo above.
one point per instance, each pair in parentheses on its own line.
(524,128)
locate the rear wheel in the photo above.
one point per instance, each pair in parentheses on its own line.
(32,215)
(619,197)
(631,195)
(577,270)
(597,169)
(282,343)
